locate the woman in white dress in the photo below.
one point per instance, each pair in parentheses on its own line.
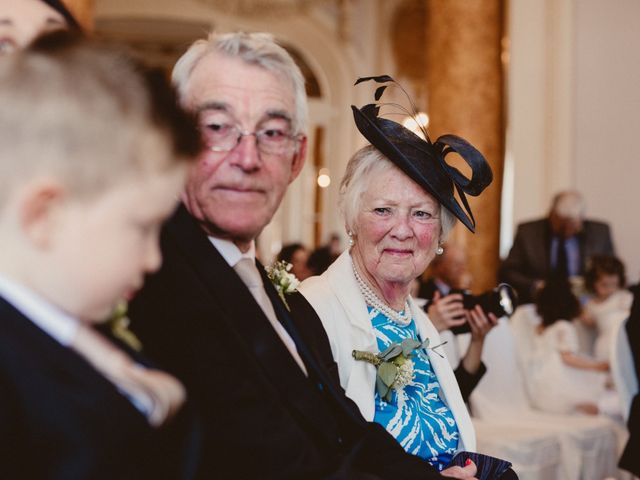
(559,379)
(609,304)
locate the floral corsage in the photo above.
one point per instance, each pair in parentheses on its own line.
(394,367)
(285,282)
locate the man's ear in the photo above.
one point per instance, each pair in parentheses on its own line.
(298,158)
(38,209)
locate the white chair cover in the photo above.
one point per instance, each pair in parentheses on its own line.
(588,446)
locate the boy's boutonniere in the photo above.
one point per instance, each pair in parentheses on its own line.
(394,367)
(119,324)
(285,282)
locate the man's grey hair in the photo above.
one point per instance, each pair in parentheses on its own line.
(259,49)
(363,166)
(568,204)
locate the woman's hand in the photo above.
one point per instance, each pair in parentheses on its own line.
(446,312)
(466,472)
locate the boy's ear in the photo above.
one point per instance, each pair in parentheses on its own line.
(38,210)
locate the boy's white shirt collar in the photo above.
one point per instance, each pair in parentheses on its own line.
(56,323)
(230,251)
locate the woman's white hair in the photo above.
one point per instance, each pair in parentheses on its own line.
(364,165)
(259,49)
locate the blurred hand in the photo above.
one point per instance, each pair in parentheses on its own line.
(446,312)
(480,322)
(467,472)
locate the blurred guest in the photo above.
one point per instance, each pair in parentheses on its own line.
(21,21)
(323,256)
(79,228)
(559,379)
(449,275)
(609,302)
(558,245)
(297,255)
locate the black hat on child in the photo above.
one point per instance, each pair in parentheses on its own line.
(423,160)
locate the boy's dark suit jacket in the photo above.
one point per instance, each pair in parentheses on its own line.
(261,417)
(529,257)
(61,419)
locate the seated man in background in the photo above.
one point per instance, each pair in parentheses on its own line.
(558,245)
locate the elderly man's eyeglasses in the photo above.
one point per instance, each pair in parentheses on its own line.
(270,141)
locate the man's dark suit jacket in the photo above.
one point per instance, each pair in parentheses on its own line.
(60,418)
(630,459)
(261,417)
(466,381)
(529,259)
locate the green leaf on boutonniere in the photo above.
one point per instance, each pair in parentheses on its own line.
(387,373)
(409,345)
(392,351)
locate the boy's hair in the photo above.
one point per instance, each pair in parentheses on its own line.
(556,301)
(604,265)
(88,115)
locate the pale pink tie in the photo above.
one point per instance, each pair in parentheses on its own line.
(248,272)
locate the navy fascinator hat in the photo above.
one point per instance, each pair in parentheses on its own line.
(421,159)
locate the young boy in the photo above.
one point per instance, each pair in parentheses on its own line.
(93,154)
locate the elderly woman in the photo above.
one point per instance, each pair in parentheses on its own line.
(21,21)
(397,199)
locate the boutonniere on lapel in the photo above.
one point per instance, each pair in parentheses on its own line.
(283,280)
(394,367)
(119,326)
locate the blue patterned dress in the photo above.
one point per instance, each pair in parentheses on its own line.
(417,417)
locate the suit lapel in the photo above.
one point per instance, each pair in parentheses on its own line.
(66,366)
(243,315)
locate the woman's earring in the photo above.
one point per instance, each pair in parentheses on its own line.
(439,250)
(351,242)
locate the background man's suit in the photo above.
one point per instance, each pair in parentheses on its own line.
(261,417)
(529,257)
(61,419)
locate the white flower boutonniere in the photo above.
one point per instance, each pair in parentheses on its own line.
(285,282)
(394,367)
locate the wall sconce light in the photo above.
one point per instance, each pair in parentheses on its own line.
(324,180)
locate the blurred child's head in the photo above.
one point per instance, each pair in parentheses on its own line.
(604,276)
(556,301)
(93,153)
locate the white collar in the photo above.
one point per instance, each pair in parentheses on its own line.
(230,251)
(56,323)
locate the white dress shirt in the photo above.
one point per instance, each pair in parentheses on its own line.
(232,255)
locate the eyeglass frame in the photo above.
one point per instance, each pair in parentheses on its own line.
(256,133)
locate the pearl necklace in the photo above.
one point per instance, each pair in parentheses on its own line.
(401,318)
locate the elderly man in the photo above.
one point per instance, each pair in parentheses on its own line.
(260,375)
(557,245)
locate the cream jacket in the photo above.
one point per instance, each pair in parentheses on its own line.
(335,296)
